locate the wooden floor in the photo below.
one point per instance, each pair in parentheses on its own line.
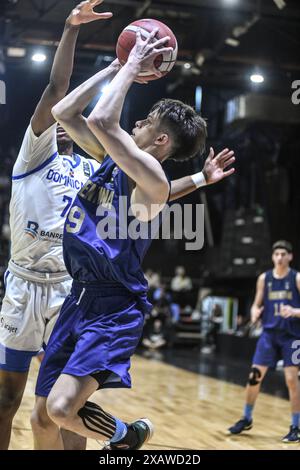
(189,411)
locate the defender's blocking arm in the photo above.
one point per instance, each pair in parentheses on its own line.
(68,112)
(214,170)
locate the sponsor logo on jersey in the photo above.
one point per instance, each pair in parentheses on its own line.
(7,326)
(86,169)
(33,231)
(66,180)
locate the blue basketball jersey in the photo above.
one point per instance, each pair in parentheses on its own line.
(277,292)
(97,245)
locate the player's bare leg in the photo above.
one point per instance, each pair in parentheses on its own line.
(73,441)
(12,385)
(67,397)
(256,376)
(48,436)
(292,383)
(68,407)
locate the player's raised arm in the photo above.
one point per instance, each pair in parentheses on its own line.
(63,64)
(215,169)
(68,112)
(104,121)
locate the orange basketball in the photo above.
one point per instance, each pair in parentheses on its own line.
(127,39)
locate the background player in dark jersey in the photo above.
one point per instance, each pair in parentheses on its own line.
(102,319)
(277,303)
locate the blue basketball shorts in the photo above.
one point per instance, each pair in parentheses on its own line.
(98,329)
(275,345)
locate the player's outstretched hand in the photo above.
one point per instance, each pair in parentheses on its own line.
(215,167)
(145,51)
(84,13)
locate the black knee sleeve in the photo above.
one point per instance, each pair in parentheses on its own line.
(254,376)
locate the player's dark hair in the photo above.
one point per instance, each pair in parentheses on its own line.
(188,130)
(284,245)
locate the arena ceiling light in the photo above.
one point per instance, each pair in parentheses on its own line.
(257,78)
(232,42)
(16,52)
(230,2)
(280,4)
(39,57)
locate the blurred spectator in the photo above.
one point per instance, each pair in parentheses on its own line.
(181,282)
(159,324)
(153,279)
(215,322)
(181,286)
(203,292)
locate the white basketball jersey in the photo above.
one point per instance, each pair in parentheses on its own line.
(44,185)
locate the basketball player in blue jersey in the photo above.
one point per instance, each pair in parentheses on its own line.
(46,177)
(277,303)
(101,321)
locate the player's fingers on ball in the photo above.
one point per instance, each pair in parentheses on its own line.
(161,42)
(138,35)
(151,36)
(154,32)
(162,50)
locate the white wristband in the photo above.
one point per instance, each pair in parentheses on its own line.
(199,179)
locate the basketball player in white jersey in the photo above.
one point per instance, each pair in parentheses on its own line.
(46,177)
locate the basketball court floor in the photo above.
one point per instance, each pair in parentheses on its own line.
(190,409)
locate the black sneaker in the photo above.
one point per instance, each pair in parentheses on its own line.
(293,435)
(243,424)
(143,430)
